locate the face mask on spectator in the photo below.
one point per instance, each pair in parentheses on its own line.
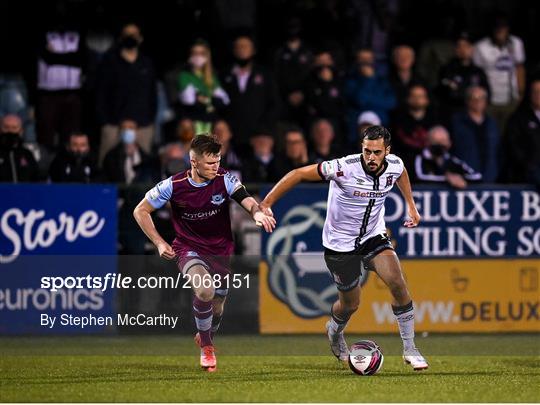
(437,150)
(78,155)
(197,61)
(242,62)
(128,136)
(129,42)
(9,140)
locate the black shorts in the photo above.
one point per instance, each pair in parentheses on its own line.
(346,267)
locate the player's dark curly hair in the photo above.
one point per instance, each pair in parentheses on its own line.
(205,144)
(377,132)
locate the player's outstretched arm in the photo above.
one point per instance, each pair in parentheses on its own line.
(291,179)
(142,214)
(404,185)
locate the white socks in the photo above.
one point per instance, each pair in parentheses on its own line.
(405,319)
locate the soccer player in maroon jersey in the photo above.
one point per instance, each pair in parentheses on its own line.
(199,199)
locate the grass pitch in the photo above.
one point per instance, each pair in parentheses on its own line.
(463,368)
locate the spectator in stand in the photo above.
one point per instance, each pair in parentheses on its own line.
(322,137)
(14,97)
(229,157)
(365,91)
(324,98)
(126,87)
(99,40)
(185,132)
(476,136)
(325,24)
(58,104)
(502,56)
(127,162)
(436,51)
(402,73)
(17,164)
(521,143)
(74,164)
(261,166)
(435,164)
(292,65)
(412,123)
(200,92)
(373,25)
(295,154)
(365,120)
(253,94)
(173,159)
(458,75)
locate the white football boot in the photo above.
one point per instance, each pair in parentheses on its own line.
(338,345)
(415,359)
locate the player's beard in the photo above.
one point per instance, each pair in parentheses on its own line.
(375,169)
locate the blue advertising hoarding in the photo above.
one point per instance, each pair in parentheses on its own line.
(479,223)
(54,230)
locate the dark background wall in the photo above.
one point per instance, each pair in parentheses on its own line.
(169,26)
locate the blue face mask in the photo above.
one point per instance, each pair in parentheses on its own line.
(128,136)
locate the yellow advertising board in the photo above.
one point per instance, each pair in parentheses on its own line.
(485,295)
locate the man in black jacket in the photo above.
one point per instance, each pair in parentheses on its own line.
(75,164)
(324,95)
(436,165)
(128,163)
(521,143)
(323,146)
(17,164)
(457,76)
(261,166)
(253,94)
(126,87)
(295,154)
(292,66)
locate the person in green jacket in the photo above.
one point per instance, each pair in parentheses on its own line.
(200,93)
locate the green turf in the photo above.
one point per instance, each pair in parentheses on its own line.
(483,368)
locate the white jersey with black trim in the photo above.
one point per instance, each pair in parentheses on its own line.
(355,209)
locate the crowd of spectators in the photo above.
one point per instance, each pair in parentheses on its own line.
(472,116)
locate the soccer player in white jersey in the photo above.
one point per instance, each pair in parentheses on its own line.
(354,232)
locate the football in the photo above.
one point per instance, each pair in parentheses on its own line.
(365,357)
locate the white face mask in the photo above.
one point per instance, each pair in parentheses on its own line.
(128,136)
(198,61)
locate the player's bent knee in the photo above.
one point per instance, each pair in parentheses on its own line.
(205,294)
